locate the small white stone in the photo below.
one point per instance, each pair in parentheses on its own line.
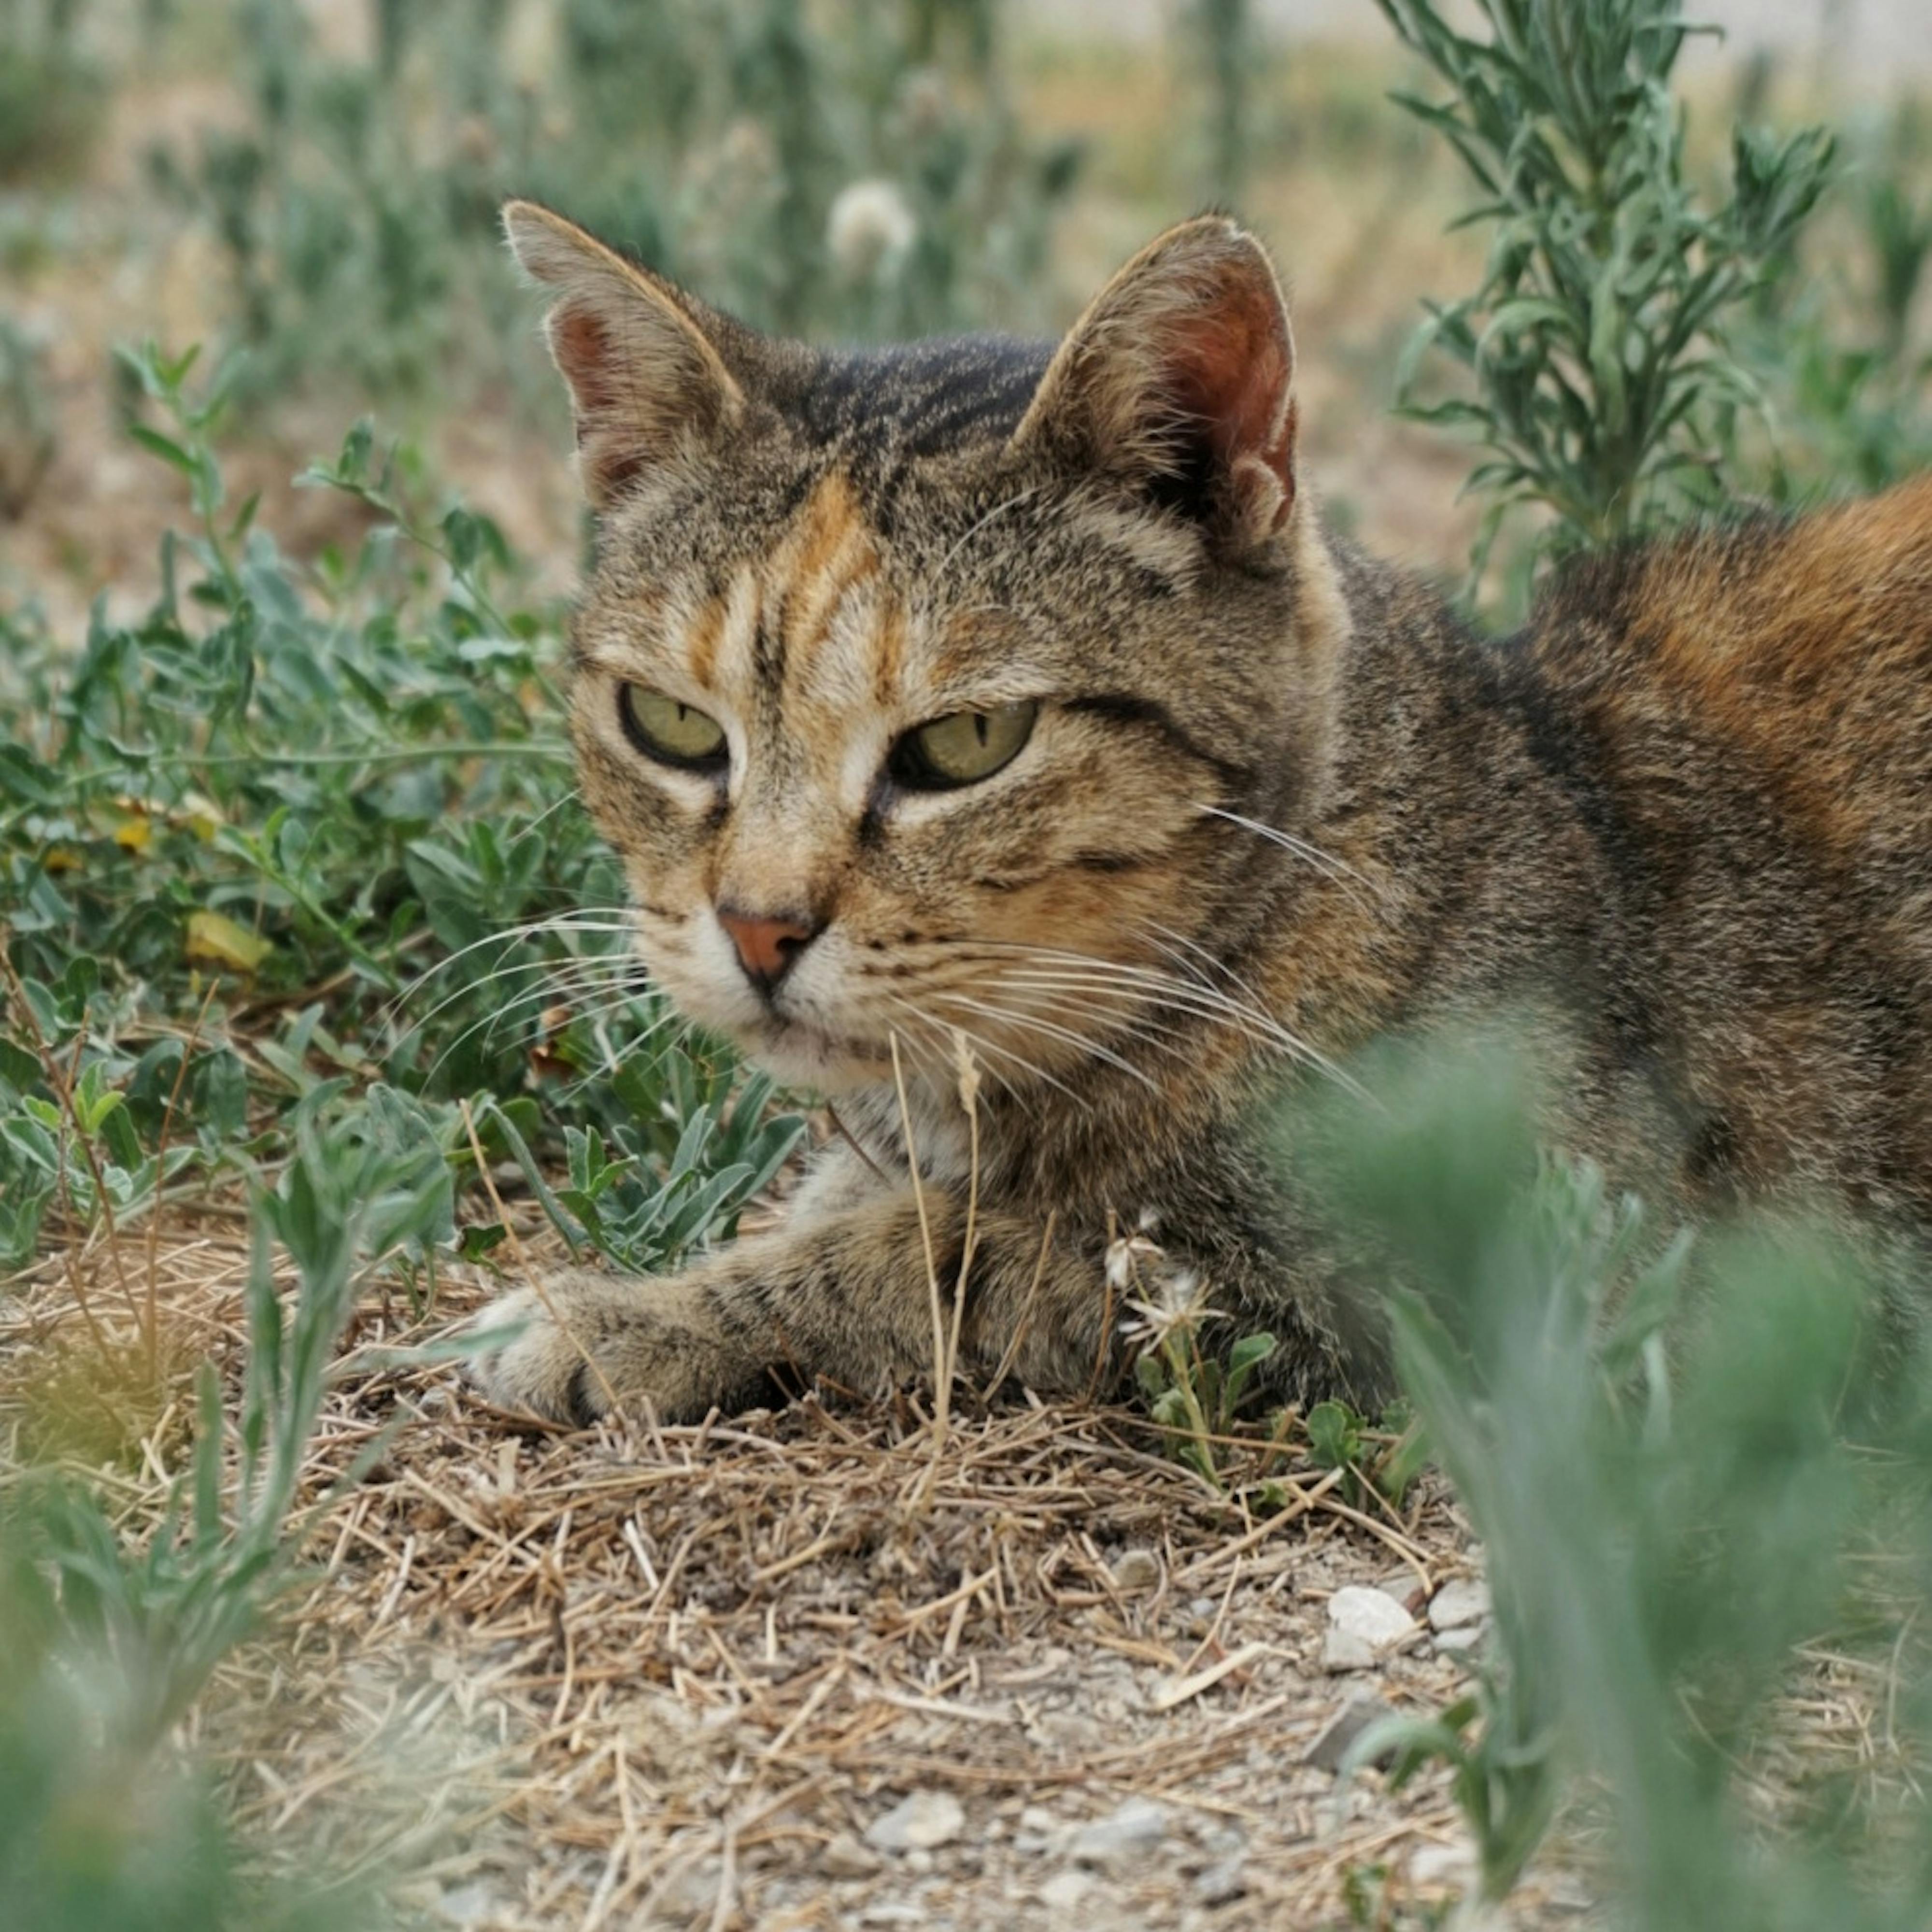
(1460,1602)
(1222,1882)
(1041,1832)
(1072,1730)
(694,1890)
(1442,1864)
(1374,1615)
(926,1819)
(844,1857)
(1136,1570)
(467,1904)
(1464,1642)
(1222,1841)
(1135,1826)
(1331,1750)
(1065,1890)
(1342,1650)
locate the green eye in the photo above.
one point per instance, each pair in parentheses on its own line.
(961,747)
(672,733)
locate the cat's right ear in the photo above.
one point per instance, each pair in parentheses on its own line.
(1178,383)
(645,380)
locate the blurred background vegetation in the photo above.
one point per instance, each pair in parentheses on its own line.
(302,923)
(314,183)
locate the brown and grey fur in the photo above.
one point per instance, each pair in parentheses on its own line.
(1278,801)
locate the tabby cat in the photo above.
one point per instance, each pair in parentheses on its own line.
(994,703)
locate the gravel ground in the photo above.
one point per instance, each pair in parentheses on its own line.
(830,1667)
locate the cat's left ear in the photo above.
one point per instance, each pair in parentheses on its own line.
(646,379)
(1178,383)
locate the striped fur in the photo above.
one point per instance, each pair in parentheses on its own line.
(1277,801)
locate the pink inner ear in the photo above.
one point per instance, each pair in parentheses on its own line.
(1229,366)
(613,457)
(582,346)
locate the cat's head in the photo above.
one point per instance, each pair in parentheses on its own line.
(912,684)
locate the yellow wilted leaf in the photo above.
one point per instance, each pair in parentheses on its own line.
(133,834)
(211,935)
(201,814)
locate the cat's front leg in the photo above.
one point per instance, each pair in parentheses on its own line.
(845,1293)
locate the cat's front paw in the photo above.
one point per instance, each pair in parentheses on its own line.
(587,1344)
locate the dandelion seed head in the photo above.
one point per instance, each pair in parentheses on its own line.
(871,225)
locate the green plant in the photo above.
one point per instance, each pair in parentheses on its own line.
(97,1831)
(50,91)
(85,1144)
(94,1839)
(640,1204)
(263,787)
(298,830)
(1195,1393)
(1835,336)
(1374,1463)
(1599,349)
(298,901)
(864,174)
(361,1184)
(1673,1488)
(26,417)
(1226,30)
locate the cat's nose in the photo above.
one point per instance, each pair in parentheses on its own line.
(768,944)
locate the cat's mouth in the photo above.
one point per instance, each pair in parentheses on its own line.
(801,1054)
(786,1035)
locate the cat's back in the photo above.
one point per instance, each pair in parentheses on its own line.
(1786,660)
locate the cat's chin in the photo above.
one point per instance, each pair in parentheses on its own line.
(795,1056)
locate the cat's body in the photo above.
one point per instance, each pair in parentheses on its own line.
(1235,801)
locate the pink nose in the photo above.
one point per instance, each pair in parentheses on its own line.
(766,946)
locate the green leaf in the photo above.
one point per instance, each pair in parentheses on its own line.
(478,1239)
(166,447)
(1250,1352)
(1334,1435)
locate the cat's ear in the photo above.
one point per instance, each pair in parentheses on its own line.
(1179,382)
(645,378)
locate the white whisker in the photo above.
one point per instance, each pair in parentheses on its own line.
(614,1051)
(998,510)
(536,997)
(944,1029)
(1136,999)
(613,968)
(1049,994)
(582,921)
(1323,861)
(1160,987)
(1200,1002)
(1092,1049)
